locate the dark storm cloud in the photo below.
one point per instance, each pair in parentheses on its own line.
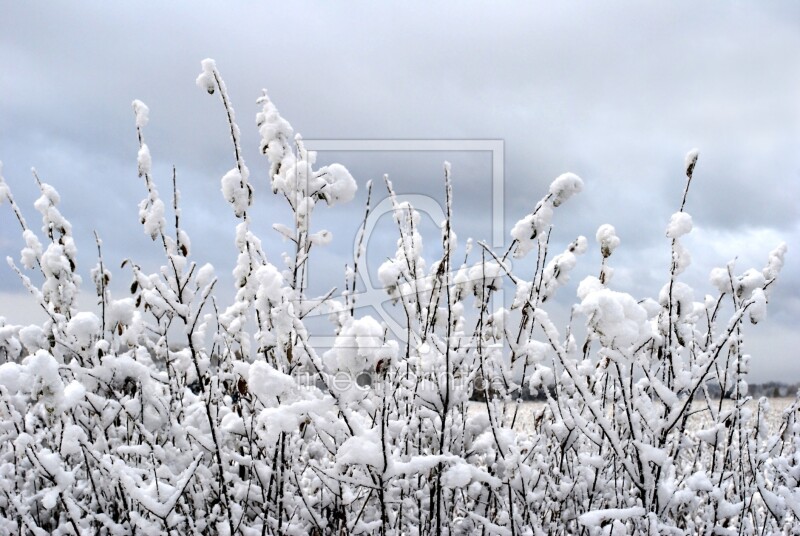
(616,92)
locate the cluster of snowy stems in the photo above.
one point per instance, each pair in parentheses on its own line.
(163,413)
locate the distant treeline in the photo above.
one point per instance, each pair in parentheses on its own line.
(755,390)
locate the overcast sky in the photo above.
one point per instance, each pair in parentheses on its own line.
(617,92)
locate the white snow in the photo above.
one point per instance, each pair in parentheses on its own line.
(531,227)
(204,275)
(758,311)
(607,238)
(340,186)
(321,238)
(359,346)
(142,113)
(362,449)
(775,262)
(680,223)
(121,311)
(721,279)
(206,78)
(11,376)
(587,286)
(749,281)
(270,285)
(596,517)
(682,298)
(144,160)
(236,191)
(681,258)
(152,217)
(32,250)
(616,317)
(84,327)
(564,187)
(73,393)
(267,383)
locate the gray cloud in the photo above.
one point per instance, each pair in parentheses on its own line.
(616,92)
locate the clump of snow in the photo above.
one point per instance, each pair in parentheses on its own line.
(721,279)
(758,310)
(32,251)
(521,296)
(71,440)
(47,201)
(144,160)
(557,271)
(531,227)
(699,481)
(579,246)
(607,238)
(276,134)
(679,224)
(587,286)
(775,262)
(204,275)
(488,274)
(206,78)
(362,449)
(54,262)
(535,225)
(681,258)
(615,317)
(287,417)
(84,328)
(596,518)
(340,187)
(151,215)
(321,238)
(121,311)
(33,337)
(749,281)
(649,453)
(267,383)
(651,306)
(682,298)
(389,273)
(142,113)
(457,476)
(542,377)
(42,368)
(73,393)
(564,187)
(360,346)
(237,191)
(11,375)
(270,285)
(534,351)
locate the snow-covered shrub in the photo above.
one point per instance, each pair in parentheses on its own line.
(164,412)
